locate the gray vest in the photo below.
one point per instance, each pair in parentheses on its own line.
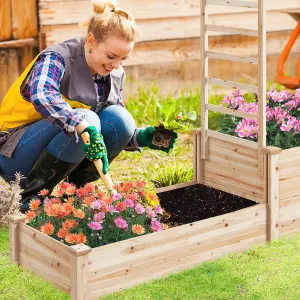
(78,83)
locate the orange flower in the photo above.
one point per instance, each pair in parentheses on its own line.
(125,190)
(74,222)
(120,206)
(88,200)
(34,204)
(82,238)
(100,194)
(62,233)
(89,188)
(30,215)
(138,229)
(132,197)
(78,214)
(55,200)
(66,209)
(71,189)
(64,185)
(107,200)
(47,228)
(43,192)
(52,210)
(73,238)
(71,200)
(140,183)
(67,225)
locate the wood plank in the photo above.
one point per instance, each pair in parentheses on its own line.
(53,12)
(273,197)
(18,43)
(180,264)
(177,28)
(24,19)
(4,85)
(5,20)
(233,85)
(13,66)
(175,186)
(235,58)
(232,30)
(232,112)
(236,3)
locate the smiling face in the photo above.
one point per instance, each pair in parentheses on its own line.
(106,55)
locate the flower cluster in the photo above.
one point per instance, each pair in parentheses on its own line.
(94,217)
(282,115)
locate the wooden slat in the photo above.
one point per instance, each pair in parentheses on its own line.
(223,56)
(235,3)
(232,30)
(175,186)
(5,20)
(157,9)
(234,85)
(4,82)
(232,139)
(203,84)
(24,19)
(177,28)
(231,112)
(19,43)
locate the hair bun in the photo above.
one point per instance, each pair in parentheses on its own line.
(102,6)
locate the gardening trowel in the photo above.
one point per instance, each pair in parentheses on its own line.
(99,166)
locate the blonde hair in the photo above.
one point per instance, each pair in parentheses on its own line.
(108,20)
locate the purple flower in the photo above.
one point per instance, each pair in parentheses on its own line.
(110,208)
(95,225)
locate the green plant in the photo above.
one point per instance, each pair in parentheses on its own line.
(166,174)
(170,115)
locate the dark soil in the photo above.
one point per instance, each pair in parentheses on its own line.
(163,137)
(198,202)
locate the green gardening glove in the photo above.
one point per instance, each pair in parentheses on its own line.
(96,148)
(145,136)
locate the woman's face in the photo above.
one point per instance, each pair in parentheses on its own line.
(107,55)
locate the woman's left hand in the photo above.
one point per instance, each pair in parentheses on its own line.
(145,136)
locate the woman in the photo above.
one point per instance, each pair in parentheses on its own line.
(71,88)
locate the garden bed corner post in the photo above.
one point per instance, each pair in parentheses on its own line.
(79,271)
(14,237)
(273,193)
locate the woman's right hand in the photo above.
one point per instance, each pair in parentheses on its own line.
(96,148)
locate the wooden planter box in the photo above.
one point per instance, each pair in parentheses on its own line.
(232,165)
(87,273)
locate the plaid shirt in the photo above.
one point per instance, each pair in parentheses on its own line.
(42,90)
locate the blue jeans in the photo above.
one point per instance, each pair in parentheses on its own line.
(114,122)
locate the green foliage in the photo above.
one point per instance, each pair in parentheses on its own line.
(142,105)
(171,117)
(166,174)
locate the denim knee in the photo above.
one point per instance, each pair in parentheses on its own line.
(91,117)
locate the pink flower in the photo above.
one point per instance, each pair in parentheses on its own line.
(121,223)
(98,217)
(150,212)
(95,225)
(110,208)
(139,209)
(158,209)
(129,203)
(179,116)
(155,225)
(96,205)
(117,196)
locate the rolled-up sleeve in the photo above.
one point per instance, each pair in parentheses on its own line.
(42,90)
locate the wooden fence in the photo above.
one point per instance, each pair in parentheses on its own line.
(169,49)
(18,38)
